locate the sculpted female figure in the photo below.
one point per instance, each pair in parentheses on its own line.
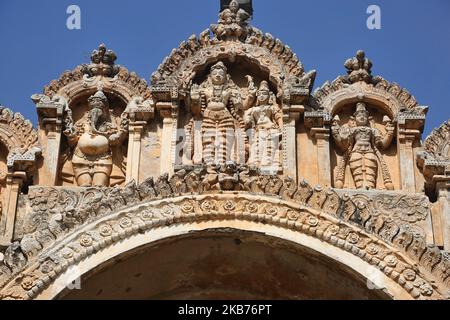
(361,143)
(217,102)
(92,138)
(266,120)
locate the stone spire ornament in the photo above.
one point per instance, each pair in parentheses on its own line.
(359,68)
(102,63)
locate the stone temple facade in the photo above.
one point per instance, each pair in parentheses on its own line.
(225,177)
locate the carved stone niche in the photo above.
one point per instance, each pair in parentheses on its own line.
(232,114)
(363,148)
(95,141)
(394,123)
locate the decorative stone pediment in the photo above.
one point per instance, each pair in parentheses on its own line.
(21,140)
(103,73)
(232,39)
(435,158)
(361,85)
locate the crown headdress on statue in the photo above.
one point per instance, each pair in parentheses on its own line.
(219,65)
(264,86)
(361,108)
(100,97)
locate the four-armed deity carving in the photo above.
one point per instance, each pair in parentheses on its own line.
(361,143)
(93,139)
(218,102)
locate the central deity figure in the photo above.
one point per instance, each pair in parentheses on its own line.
(218,101)
(93,138)
(361,143)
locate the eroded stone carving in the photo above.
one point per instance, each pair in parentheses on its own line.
(58,211)
(218,103)
(92,139)
(265,119)
(233,23)
(102,63)
(361,144)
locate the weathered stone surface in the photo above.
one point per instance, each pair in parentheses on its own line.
(226,138)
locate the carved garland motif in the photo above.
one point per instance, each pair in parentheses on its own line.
(346,222)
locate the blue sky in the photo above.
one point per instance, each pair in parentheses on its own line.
(412,48)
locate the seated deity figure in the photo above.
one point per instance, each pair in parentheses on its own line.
(92,139)
(362,143)
(265,121)
(216,102)
(233,23)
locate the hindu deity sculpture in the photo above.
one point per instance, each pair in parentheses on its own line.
(265,121)
(93,139)
(233,23)
(361,143)
(217,102)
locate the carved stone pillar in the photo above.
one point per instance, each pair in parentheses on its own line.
(18,167)
(50,115)
(410,127)
(167,104)
(441,214)
(14,183)
(318,123)
(139,117)
(293,99)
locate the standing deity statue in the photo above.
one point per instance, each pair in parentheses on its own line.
(92,139)
(217,102)
(233,23)
(265,120)
(361,143)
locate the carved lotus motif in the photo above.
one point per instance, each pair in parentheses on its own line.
(312,221)
(207,206)
(187,207)
(272,211)
(105,230)
(27,283)
(391,261)
(409,275)
(353,238)
(147,215)
(125,223)
(167,211)
(229,205)
(424,287)
(47,267)
(293,215)
(86,240)
(252,207)
(373,249)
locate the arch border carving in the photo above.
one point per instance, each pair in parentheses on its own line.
(74,225)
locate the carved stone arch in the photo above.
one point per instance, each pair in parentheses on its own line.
(74,84)
(262,59)
(434,159)
(78,224)
(107,237)
(334,101)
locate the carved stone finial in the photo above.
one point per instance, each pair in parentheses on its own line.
(359,68)
(102,63)
(233,23)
